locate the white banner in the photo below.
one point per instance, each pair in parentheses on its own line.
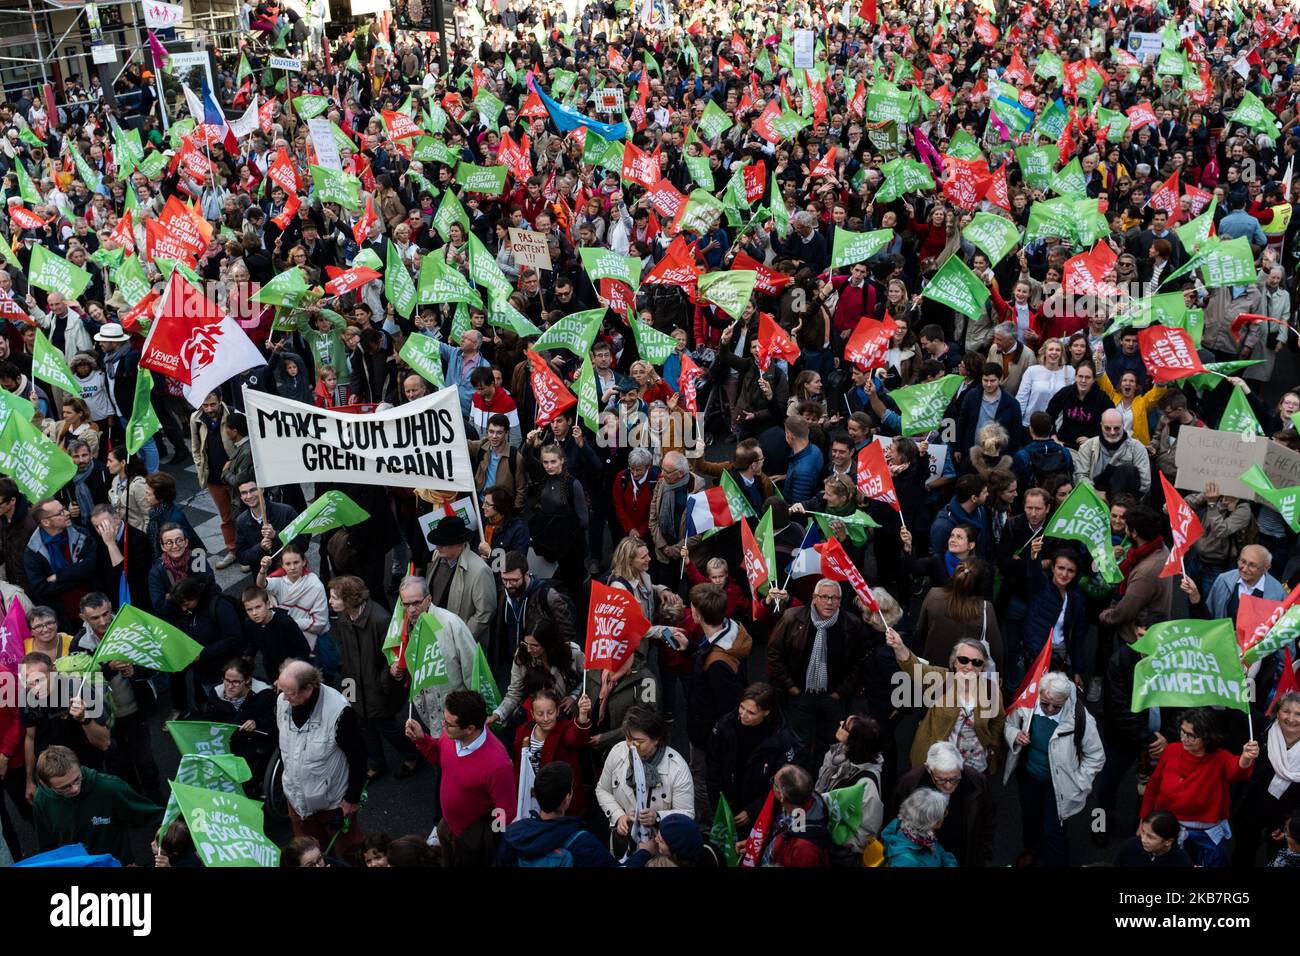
(418,445)
(162,16)
(322,137)
(284,63)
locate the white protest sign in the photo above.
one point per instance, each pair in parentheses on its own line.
(322,138)
(1143,45)
(609,100)
(462,506)
(417,445)
(162,16)
(530,249)
(803,49)
(104,53)
(938,456)
(285,63)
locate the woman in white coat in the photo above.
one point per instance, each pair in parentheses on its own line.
(643,781)
(1040,382)
(1055,763)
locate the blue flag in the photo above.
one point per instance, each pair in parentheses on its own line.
(567,119)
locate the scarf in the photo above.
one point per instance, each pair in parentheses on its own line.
(85,500)
(816,678)
(1286,762)
(177,568)
(924,840)
(950,561)
(54,545)
(1133,558)
(668,504)
(643,776)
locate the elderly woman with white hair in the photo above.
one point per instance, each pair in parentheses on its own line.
(963,702)
(1055,753)
(912,839)
(969,828)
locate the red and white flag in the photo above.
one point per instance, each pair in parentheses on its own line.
(196,343)
(1169,354)
(756,570)
(687,382)
(549,392)
(1286,681)
(1027,694)
(1186,527)
(875,480)
(773,343)
(345,280)
(838,566)
(769,281)
(868,344)
(615,626)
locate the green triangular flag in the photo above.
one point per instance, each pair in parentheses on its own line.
(244,70)
(585,390)
(1238,416)
(449,210)
(844,811)
(737,503)
(287,289)
(144,420)
(147,641)
(439,283)
(424,355)
(49,365)
(652,345)
(1285,501)
(53,273)
(922,406)
(730,291)
(482,681)
(424,660)
(957,287)
(1190,664)
(723,833)
(226,827)
(573,333)
(331,510)
(994,235)
(26,188)
(1084,517)
(399,289)
(854,247)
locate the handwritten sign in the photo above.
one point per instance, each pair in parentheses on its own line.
(1206,454)
(530,248)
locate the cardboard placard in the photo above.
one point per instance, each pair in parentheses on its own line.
(322,139)
(530,249)
(1207,454)
(609,100)
(803,49)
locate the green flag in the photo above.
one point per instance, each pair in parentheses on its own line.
(85,172)
(145,640)
(715,121)
(1069,180)
(585,390)
(30,138)
(1238,416)
(854,247)
(1084,517)
(490,180)
(652,345)
(963,146)
(423,354)
(1230,262)
(737,503)
(1052,217)
(1253,114)
(393,635)
(956,286)
(223,773)
(765,538)
(994,235)
(723,833)
(49,365)
(334,186)
(354,64)
(844,811)
(903,176)
(730,291)
(607,264)
(450,210)
(26,188)
(1189,664)
(209,738)
(424,658)
(922,406)
(246,70)
(331,510)
(489,107)
(780,212)
(109,259)
(700,171)
(309,106)
(1037,164)
(144,420)
(855,525)
(287,289)
(53,273)
(439,282)
(484,271)
(37,465)
(1285,501)
(482,681)
(574,333)
(399,289)
(226,828)
(1196,233)
(503,315)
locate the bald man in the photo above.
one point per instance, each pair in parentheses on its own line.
(1114,462)
(1251,577)
(413,387)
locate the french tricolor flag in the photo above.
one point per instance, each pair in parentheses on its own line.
(806,559)
(707,511)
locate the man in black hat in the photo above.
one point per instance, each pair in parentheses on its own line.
(459,580)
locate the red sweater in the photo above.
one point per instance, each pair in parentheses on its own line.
(564,743)
(1194,789)
(474,786)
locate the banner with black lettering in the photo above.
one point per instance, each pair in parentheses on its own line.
(418,445)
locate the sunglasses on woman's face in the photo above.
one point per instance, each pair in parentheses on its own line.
(970,661)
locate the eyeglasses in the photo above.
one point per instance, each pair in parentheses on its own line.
(827,597)
(970,661)
(234,682)
(72,786)
(1189,735)
(946,781)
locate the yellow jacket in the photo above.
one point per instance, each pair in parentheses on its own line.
(1142,405)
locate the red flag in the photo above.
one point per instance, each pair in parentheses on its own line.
(875,480)
(533,106)
(867,345)
(755,179)
(291,207)
(181,339)
(1165,196)
(758,832)
(756,569)
(1246,318)
(1200,198)
(1186,526)
(985,31)
(25,219)
(997,192)
(1084,272)
(123,233)
(837,566)
(639,166)
(674,269)
(345,280)
(859,102)
(130,319)
(1141,115)
(361,228)
(10,309)
(1255,617)
(773,343)
(616,295)
(615,626)
(770,282)
(686,383)
(161,243)
(867,11)
(764,127)
(1169,354)
(549,391)
(826,165)
(1286,681)
(665,199)
(1027,693)
(1016,72)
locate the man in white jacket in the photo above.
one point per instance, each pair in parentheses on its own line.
(1113,461)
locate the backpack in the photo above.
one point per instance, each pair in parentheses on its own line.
(1048,460)
(560,856)
(545,591)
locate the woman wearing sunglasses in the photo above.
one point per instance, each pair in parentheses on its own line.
(963,703)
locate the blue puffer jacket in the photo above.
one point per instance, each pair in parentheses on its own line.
(1045,608)
(900,851)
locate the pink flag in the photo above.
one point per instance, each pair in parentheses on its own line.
(929,155)
(13,637)
(158,50)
